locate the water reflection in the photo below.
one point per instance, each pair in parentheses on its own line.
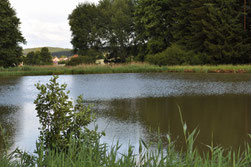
(128,105)
(9,122)
(226,117)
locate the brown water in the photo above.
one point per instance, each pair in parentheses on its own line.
(129,105)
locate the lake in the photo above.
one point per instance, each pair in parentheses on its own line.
(131,107)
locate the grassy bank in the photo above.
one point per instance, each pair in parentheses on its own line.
(120,68)
(98,155)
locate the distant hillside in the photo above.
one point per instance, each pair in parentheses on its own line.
(54,51)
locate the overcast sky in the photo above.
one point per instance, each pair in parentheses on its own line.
(44,22)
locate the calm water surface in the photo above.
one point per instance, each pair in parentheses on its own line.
(129,105)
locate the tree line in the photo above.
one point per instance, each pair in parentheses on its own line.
(158,31)
(164,31)
(42,57)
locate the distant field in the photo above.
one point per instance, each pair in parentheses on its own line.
(54,51)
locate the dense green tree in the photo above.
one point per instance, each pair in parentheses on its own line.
(223,41)
(33,58)
(42,57)
(120,34)
(84,22)
(106,27)
(37,59)
(198,13)
(213,30)
(10,36)
(248,14)
(218,32)
(181,23)
(153,19)
(30,58)
(45,56)
(247,33)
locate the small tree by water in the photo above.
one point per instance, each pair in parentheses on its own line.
(60,120)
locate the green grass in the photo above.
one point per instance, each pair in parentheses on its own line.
(212,69)
(98,154)
(121,68)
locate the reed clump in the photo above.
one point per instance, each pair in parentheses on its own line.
(99,154)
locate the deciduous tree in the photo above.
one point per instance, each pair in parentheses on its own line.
(45,56)
(153,19)
(10,36)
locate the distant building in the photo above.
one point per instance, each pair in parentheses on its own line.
(100,61)
(55,60)
(21,64)
(63,59)
(75,56)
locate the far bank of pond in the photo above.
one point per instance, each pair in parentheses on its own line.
(121,68)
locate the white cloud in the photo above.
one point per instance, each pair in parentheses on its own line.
(45,22)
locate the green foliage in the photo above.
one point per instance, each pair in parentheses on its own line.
(87,57)
(140,58)
(30,58)
(153,19)
(106,27)
(84,21)
(10,36)
(42,57)
(81,60)
(212,30)
(223,34)
(122,68)
(175,55)
(60,120)
(46,56)
(120,31)
(181,23)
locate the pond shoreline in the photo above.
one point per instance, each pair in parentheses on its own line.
(122,68)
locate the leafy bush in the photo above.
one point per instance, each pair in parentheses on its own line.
(156,45)
(81,60)
(175,55)
(60,120)
(140,58)
(42,57)
(91,53)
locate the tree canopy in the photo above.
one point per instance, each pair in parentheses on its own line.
(208,31)
(10,36)
(42,57)
(106,27)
